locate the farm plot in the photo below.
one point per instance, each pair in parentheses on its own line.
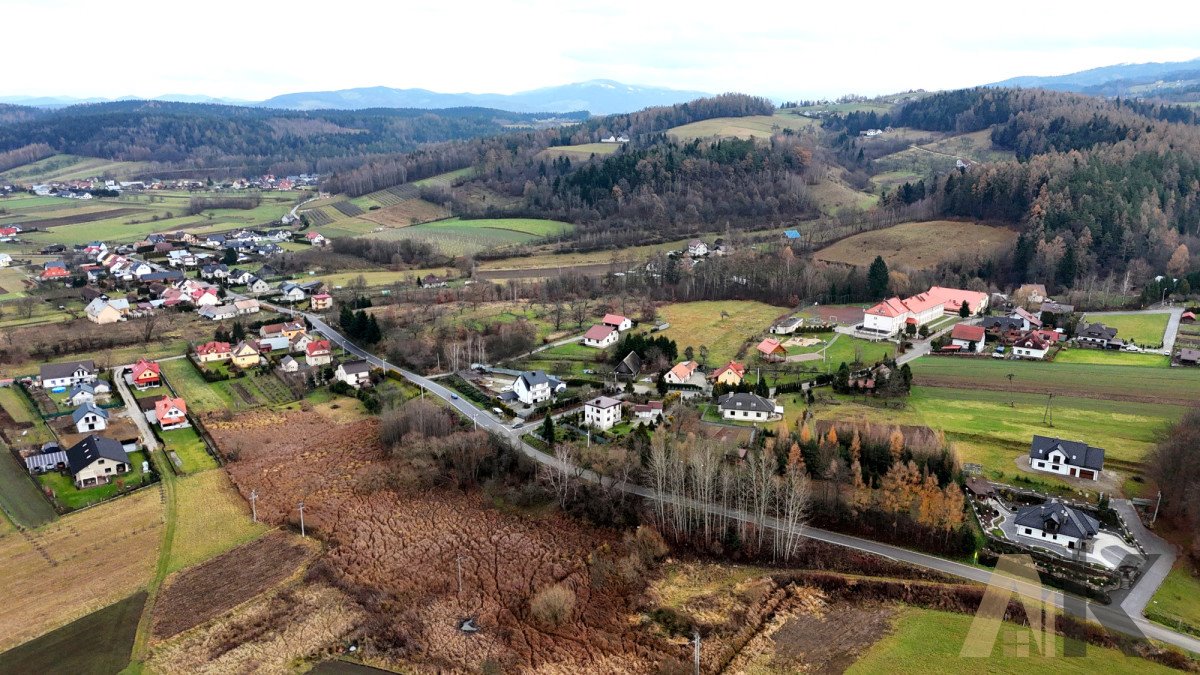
(418,534)
(214,587)
(189,448)
(463,237)
(754,126)
(920,245)
(89,217)
(407,212)
(1144,328)
(833,196)
(446,179)
(70,167)
(211,519)
(721,326)
(396,194)
(583,152)
(347,208)
(317,217)
(19,497)
(124,533)
(200,395)
(101,642)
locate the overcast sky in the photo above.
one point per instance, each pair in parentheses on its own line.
(794,49)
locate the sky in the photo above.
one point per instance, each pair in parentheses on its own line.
(785,50)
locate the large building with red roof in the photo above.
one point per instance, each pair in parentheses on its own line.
(893,314)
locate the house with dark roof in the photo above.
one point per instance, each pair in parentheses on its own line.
(748,407)
(1189,357)
(1057,309)
(999,325)
(90,417)
(1098,335)
(630,366)
(534,386)
(1055,522)
(96,461)
(67,374)
(1030,346)
(357,374)
(602,413)
(1066,458)
(86,392)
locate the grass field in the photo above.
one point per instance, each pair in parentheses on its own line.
(72,497)
(833,196)
(701,323)
(12,283)
(70,167)
(212,518)
(844,349)
(754,126)
(463,237)
(190,449)
(101,642)
(930,641)
(19,497)
(446,179)
(580,153)
(547,261)
(1145,328)
(124,534)
(1112,358)
(407,212)
(200,396)
(919,245)
(975,146)
(380,277)
(1176,602)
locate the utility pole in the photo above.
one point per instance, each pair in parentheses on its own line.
(301,507)
(459,560)
(254,505)
(1156,505)
(696,639)
(1048,416)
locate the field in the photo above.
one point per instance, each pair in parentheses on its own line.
(539,264)
(463,237)
(975,146)
(941,156)
(214,587)
(446,179)
(100,642)
(380,277)
(929,641)
(721,326)
(833,196)
(1112,358)
(124,533)
(19,497)
(754,126)
(70,167)
(844,349)
(407,212)
(919,245)
(1144,328)
(580,153)
(212,518)
(189,448)
(1175,602)
(239,393)
(12,283)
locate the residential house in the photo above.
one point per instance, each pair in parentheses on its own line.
(648,412)
(602,413)
(600,336)
(86,392)
(170,413)
(1097,335)
(1032,293)
(102,312)
(747,407)
(318,353)
(257,285)
(146,374)
(240,277)
(697,248)
(1031,346)
(246,306)
(533,387)
(1027,319)
(96,460)
(315,239)
(205,297)
(770,350)
(1189,357)
(617,322)
(968,337)
(998,326)
(357,374)
(5,260)
(730,374)
(54,375)
(893,314)
(89,417)
(321,302)
(289,365)
(681,373)
(218,312)
(299,342)
(55,270)
(214,351)
(431,281)
(291,292)
(244,355)
(1057,523)
(1066,458)
(287,329)
(629,367)
(1059,310)
(788,325)
(217,271)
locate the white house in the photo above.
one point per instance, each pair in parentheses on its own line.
(101,311)
(697,248)
(89,417)
(1030,347)
(291,292)
(54,375)
(600,336)
(289,365)
(788,325)
(649,411)
(968,337)
(681,373)
(893,314)
(748,407)
(533,387)
(1066,458)
(318,353)
(602,412)
(1055,522)
(354,373)
(617,322)
(86,392)
(257,285)
(5,260)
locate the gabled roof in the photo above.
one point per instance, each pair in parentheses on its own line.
(355,367)
(1097,331)
(1058,518)
(1077,453)
(746,401)
(613,320)
(1024,314)
(142,366)
(164,405)
(1031,341)
(684,369)
(82,454)
(317,347)
(737,368)
(213,347)
(770,346)
(1001,323)
(630,365)
(598,332)
(245,347)
(892,307)
(967,332)
(86,408)
(54,371)
(603,402)
(533,378)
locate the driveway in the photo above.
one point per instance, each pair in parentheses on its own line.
(131,406)
(1108,550)
(1172,324)
(1161,552)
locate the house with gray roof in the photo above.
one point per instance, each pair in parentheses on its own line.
(357,374)
(748,407)
(54,375)
(1098,335)
(96,461)
(1066,458)
(90,417)
(534,386)
(1057,523)
(86,392)
(630,366)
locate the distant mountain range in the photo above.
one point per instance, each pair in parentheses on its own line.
(1126,79)
(600,97)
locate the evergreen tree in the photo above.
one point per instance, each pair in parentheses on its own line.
(346,319)
(358,329)
(230,257)
(661,384)
(239,332)
(374,334)
(877,279)
(761,388)
(548,431)
(1068,268)
(841,381)
(965,310)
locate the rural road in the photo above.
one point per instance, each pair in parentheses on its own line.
(135,413)
(1134,603)
(1112,617)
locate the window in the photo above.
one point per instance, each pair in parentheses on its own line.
(1028,530)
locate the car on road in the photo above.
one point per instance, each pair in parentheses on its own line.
(517,423)
(1131,348)
(453,397)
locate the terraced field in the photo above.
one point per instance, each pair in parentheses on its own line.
(347,208)
(446,179)
(583,152)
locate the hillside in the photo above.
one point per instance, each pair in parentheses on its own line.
(1111,80)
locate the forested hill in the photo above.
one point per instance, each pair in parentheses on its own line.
(207,135)
(1098,185)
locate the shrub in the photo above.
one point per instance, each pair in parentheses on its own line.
(553,606)
(650,544)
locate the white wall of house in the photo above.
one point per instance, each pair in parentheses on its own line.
(91,422)
(1056,463)
(1060,539)
(735,414)
(884,324)
(1027,353)
(609,339)
(601,418)
(540,392)
(966,344)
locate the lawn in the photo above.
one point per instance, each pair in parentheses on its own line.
(69,167)
(552,261)
(446,179)
(1145,328)
(190,448)
(843,349)
(19,497)
(378,277)
(722,326)
(833,196)
(200,395)
(1177,602)
(460,237)
(15,405)
(580,153)
(1112,357)
(930,641)
(212,518)
(919,245)
(71,497)
(101,642)
(753,126)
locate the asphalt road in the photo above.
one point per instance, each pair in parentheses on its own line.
(1112,616)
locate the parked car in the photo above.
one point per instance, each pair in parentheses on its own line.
(1131,348)
(588,371)
(998,354)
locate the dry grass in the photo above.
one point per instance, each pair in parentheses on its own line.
(212,518)
(833,196)
(407,212)
(722,326)
(754,126)
(581,152)
(77,565)
(919,245)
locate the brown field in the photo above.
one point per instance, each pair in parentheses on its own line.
(919,245)
(210,589)
(833,196)
(83,218)
(400,546)
(407,212)
(77,565)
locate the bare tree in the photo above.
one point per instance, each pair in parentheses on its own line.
(25,306)
(580,310)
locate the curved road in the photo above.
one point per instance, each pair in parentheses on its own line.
(1111,616)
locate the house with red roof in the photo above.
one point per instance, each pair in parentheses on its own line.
(1187,317)
(770,350)
(170,413)
(315,238)
(321,302)
(146,374)
(617,322)
(55,271)
(214,351)
(968,337)
(731,374)
(600,336)
(318,353)
(1030,347)
(893,314)
(681,373)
